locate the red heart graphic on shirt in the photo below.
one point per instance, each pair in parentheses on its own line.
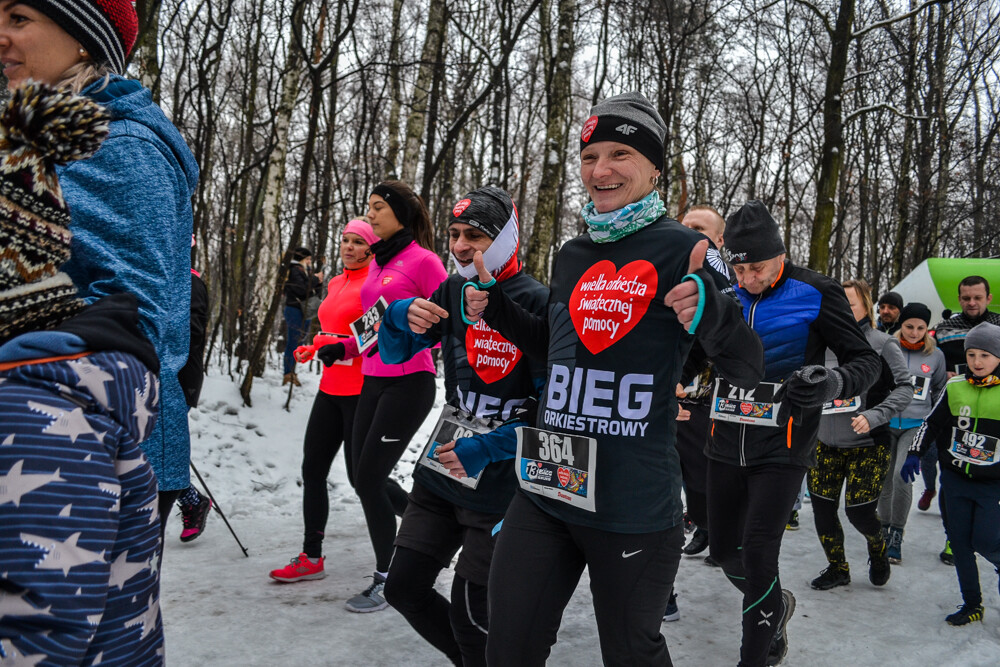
(491,355)
(563,475)
(746,408)
(607,303)
(925,368)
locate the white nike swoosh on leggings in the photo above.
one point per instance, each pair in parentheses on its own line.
(625,555)
(385,439)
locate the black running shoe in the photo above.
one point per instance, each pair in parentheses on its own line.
(831,577)
(779,644)
(793,521)
(966,614)
(946,556)
(194,518)
(878,565)
(697,543)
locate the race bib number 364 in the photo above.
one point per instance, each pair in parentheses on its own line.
(558,466)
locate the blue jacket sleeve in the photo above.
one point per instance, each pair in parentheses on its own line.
(396,341)
(479,451)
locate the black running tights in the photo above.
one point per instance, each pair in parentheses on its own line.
(457,629)
(748,508)
(329,425)
(390,410)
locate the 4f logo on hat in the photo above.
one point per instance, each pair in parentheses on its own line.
(626,129)
(588,129)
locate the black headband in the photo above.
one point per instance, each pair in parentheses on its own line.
(400,207)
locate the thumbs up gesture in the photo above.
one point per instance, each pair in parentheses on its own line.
(476,299)
(684,297)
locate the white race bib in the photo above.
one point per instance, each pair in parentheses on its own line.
(921,387)
(838,405)
(745,406)
(365,328)
(452,425)
(974,448)
(558,466)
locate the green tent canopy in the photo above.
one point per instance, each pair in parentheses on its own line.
(935,282)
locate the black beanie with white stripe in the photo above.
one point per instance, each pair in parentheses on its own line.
(106,29)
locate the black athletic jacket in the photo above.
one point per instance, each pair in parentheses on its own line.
(798,318)
(484,374)
(615,354)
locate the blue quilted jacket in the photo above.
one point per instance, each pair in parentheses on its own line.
(801,315)
(131,219)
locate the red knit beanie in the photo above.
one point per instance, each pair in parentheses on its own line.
(105,28)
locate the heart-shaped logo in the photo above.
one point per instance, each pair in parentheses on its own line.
(588,129)
(563,475)
(746,408)
(607,303)
(974,453)
(838,402)
(460,207)
(925,368)
(491,355)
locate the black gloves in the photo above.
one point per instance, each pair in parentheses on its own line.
(808,387)
(331,353)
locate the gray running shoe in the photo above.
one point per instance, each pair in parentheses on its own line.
(779,644)
(369,599)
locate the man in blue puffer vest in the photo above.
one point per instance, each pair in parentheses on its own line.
(764,439)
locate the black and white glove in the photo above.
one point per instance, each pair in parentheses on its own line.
(328,354)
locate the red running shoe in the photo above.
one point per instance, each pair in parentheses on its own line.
(300,569)
(924,503)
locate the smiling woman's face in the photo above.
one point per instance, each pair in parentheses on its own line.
(616,175)
(32,46)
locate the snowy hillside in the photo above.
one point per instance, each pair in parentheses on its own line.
(221,608)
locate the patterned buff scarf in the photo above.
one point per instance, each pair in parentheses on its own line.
(616,225)
(990,380)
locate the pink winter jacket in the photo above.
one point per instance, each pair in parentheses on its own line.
(414,271)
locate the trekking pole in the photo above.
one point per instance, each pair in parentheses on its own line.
(218,509)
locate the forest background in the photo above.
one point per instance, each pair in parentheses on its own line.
(869,127)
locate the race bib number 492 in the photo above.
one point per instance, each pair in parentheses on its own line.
(974,448)
(558,466)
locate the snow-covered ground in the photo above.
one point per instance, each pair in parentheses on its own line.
(220,608)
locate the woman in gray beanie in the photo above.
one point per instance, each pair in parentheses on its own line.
(599,477)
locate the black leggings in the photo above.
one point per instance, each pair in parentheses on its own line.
(459,628)
(536,567)
(330,424)
(390,410)
(864,470)
(748,508)
(691,438)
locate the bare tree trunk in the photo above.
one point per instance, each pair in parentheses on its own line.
(395,72)
(559,84)
(832,155)
(417,121)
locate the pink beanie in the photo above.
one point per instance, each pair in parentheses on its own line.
(362,229)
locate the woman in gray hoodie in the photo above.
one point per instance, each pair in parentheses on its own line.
(928,374)
(854,447)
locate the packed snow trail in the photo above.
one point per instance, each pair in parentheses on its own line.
(221,608)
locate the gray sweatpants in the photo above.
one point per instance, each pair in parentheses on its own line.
(897,495)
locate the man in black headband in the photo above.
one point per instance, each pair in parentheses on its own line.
(485,377)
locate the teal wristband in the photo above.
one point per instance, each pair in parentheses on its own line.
(477,285)
(701,300)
